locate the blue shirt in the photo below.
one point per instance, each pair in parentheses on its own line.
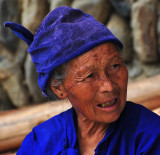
(136,132)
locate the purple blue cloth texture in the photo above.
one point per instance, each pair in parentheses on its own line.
(136,132)
(64,34)
(20,31)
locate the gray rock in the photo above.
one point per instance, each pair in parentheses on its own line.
(158,27)
(134,69)
(31,77)
(5,103)
(21,53)
(6,63)
(33,12)
(99,9)
(143,24)
(11,78)
(119,26)
(56,3)
(122,7)
(151,69)
(15,89)
(9,11)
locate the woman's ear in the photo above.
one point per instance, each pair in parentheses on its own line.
(57,87)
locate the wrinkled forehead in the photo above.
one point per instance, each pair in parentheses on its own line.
(103,53)
(106,49)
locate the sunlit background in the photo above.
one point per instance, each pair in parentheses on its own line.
(135,22)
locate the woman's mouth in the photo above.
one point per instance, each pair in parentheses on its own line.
(108,104)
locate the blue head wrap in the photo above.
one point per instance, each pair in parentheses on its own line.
(64,34)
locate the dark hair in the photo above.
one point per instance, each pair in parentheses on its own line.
(58,74)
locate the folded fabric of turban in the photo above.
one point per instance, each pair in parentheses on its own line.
(64,34)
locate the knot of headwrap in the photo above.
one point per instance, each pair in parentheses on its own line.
(64,34)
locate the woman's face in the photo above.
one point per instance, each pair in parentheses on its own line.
(96,84)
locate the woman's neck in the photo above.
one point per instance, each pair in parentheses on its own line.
(89,134)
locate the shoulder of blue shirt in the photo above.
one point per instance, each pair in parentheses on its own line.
(134,117)
(133,113)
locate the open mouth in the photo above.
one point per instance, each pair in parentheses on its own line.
(108,104)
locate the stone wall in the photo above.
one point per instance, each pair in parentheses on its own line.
(135,22)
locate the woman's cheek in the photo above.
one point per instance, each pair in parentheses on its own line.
(121,76)
(84,91)
(87,90)
(123,81)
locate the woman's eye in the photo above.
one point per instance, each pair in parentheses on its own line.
(90,75)
(115,66)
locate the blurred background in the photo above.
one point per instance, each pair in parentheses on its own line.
(135,22)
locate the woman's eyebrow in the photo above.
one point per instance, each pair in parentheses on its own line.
(114,57)
(86,68)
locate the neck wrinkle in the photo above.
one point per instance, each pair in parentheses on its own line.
(87,128)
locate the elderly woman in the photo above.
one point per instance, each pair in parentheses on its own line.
(79,58)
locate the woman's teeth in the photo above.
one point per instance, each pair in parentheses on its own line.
(107,104)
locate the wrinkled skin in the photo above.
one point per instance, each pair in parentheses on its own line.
(93,79)
(96,77)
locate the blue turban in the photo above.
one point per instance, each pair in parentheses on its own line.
(64,34)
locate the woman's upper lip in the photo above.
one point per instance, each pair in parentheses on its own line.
(109,100)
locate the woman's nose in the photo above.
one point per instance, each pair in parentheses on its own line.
(106,84)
